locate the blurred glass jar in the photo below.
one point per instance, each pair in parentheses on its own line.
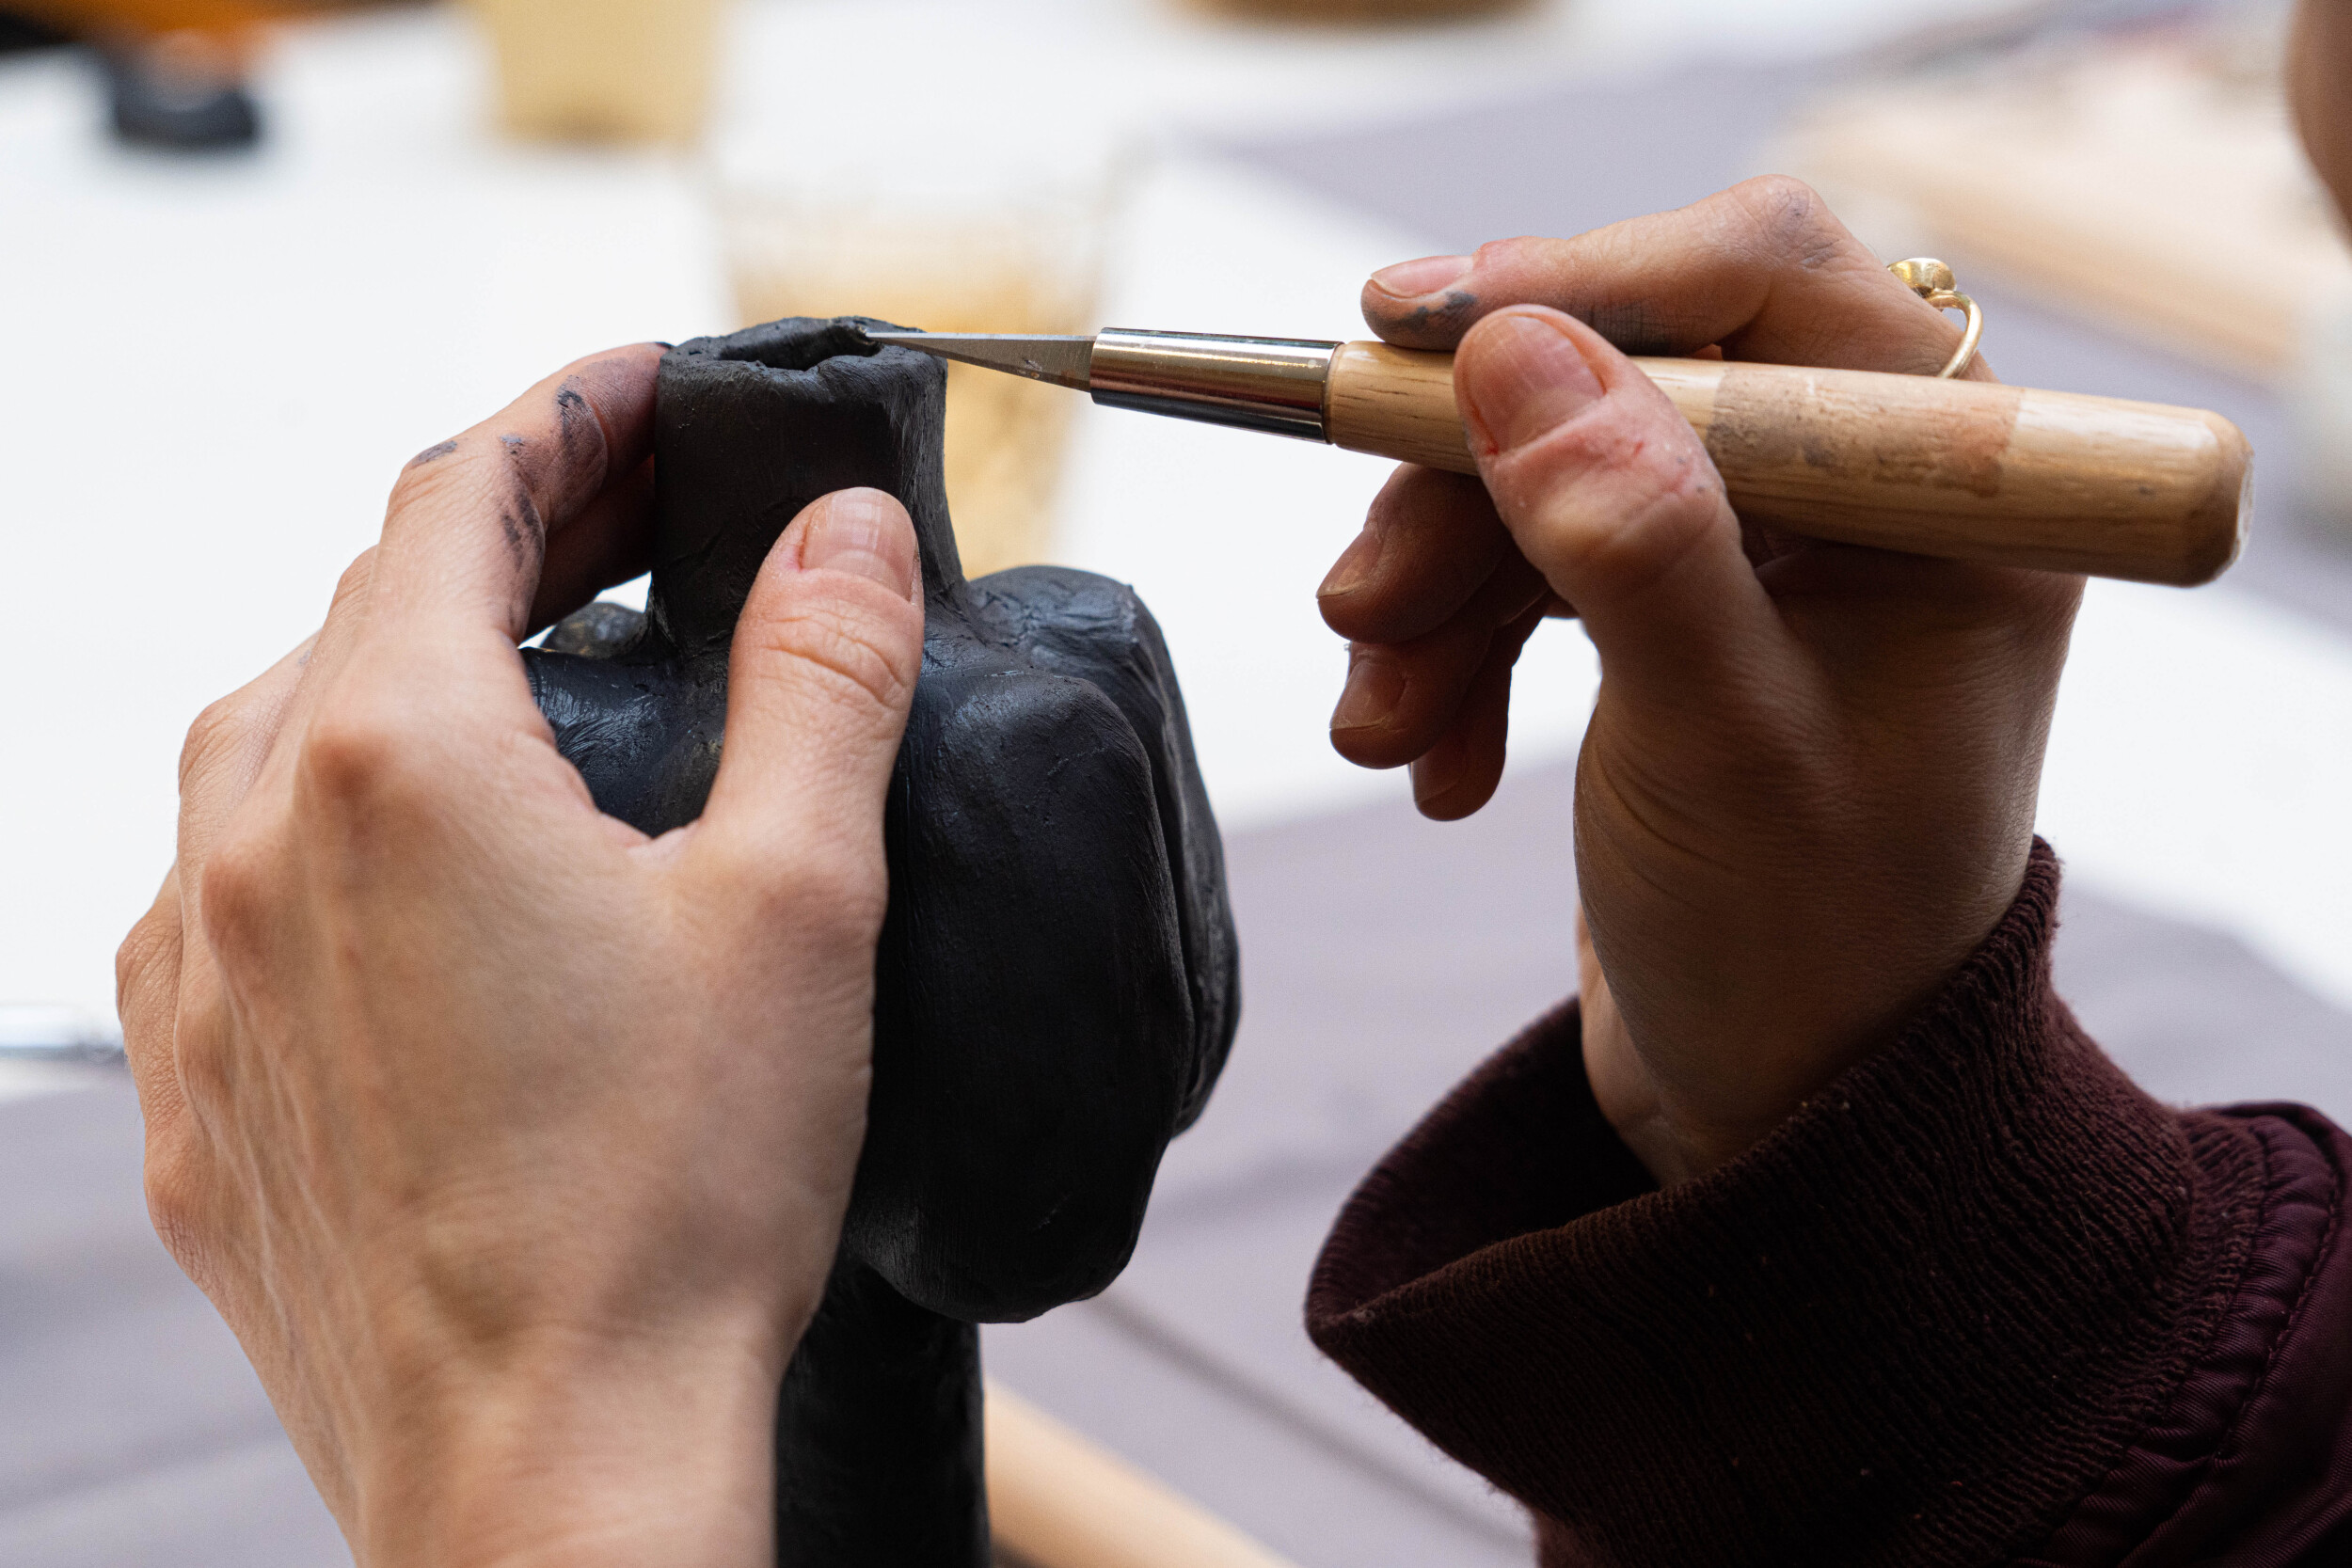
(603,70)
(914,223)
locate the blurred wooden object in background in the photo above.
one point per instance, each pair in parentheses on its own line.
(1056,1500)
(1359,12)
(2149,178)
(603,70)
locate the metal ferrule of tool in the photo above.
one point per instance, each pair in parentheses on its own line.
(1274,385)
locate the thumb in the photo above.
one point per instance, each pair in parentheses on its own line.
(823,667)
(1610,493)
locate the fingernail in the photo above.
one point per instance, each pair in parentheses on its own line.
(1435,772)
(1375,686)
(1427,276)
(1354,565)
(1520,377)
(855,531)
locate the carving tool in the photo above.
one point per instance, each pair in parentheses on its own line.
(1968,470)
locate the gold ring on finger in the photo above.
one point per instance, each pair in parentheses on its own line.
(1933,281)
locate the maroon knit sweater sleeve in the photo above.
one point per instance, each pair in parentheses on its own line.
(1981,1300)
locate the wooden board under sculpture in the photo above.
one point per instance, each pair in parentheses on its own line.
(1056,985)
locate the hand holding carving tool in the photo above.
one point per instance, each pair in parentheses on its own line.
(1967,470)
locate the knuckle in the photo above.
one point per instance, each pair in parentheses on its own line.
(820,902)
(1525,269)
(1644,544)
(492,480)
(834,891)
(1661,474)
(218,731)
(169,1208)
(237,899)
(1675,470)
(1429,500)
(1782,220)
(173,1185)
(1619,499)
(149,944)
(1782,192)
(1507,255)
(352,586)
(200,1054)
(839,647)
(355,758)
(1628,445)
(428,474)
(166,1180)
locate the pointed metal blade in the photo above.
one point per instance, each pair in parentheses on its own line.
(1064,361)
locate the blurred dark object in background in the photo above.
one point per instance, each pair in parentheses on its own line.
(23,32)
(175,70)
(183,91)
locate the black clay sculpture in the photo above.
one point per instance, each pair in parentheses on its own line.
(1056,985)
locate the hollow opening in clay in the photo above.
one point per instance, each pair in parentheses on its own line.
(800,351)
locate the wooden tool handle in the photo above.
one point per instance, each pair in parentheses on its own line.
(1968,470)
(1056,1500)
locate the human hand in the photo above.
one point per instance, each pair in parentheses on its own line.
(1806,791)
(514,1144)
(2318,53)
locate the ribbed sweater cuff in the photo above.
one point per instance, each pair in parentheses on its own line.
(1914,1326)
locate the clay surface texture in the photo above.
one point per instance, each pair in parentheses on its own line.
(1057,982)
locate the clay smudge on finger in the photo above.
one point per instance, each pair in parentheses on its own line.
(557,475)
(526,531)
(433,453)
(1450,316)
(579,435)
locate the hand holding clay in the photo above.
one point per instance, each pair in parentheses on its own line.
(1807,789)
(513,1142)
